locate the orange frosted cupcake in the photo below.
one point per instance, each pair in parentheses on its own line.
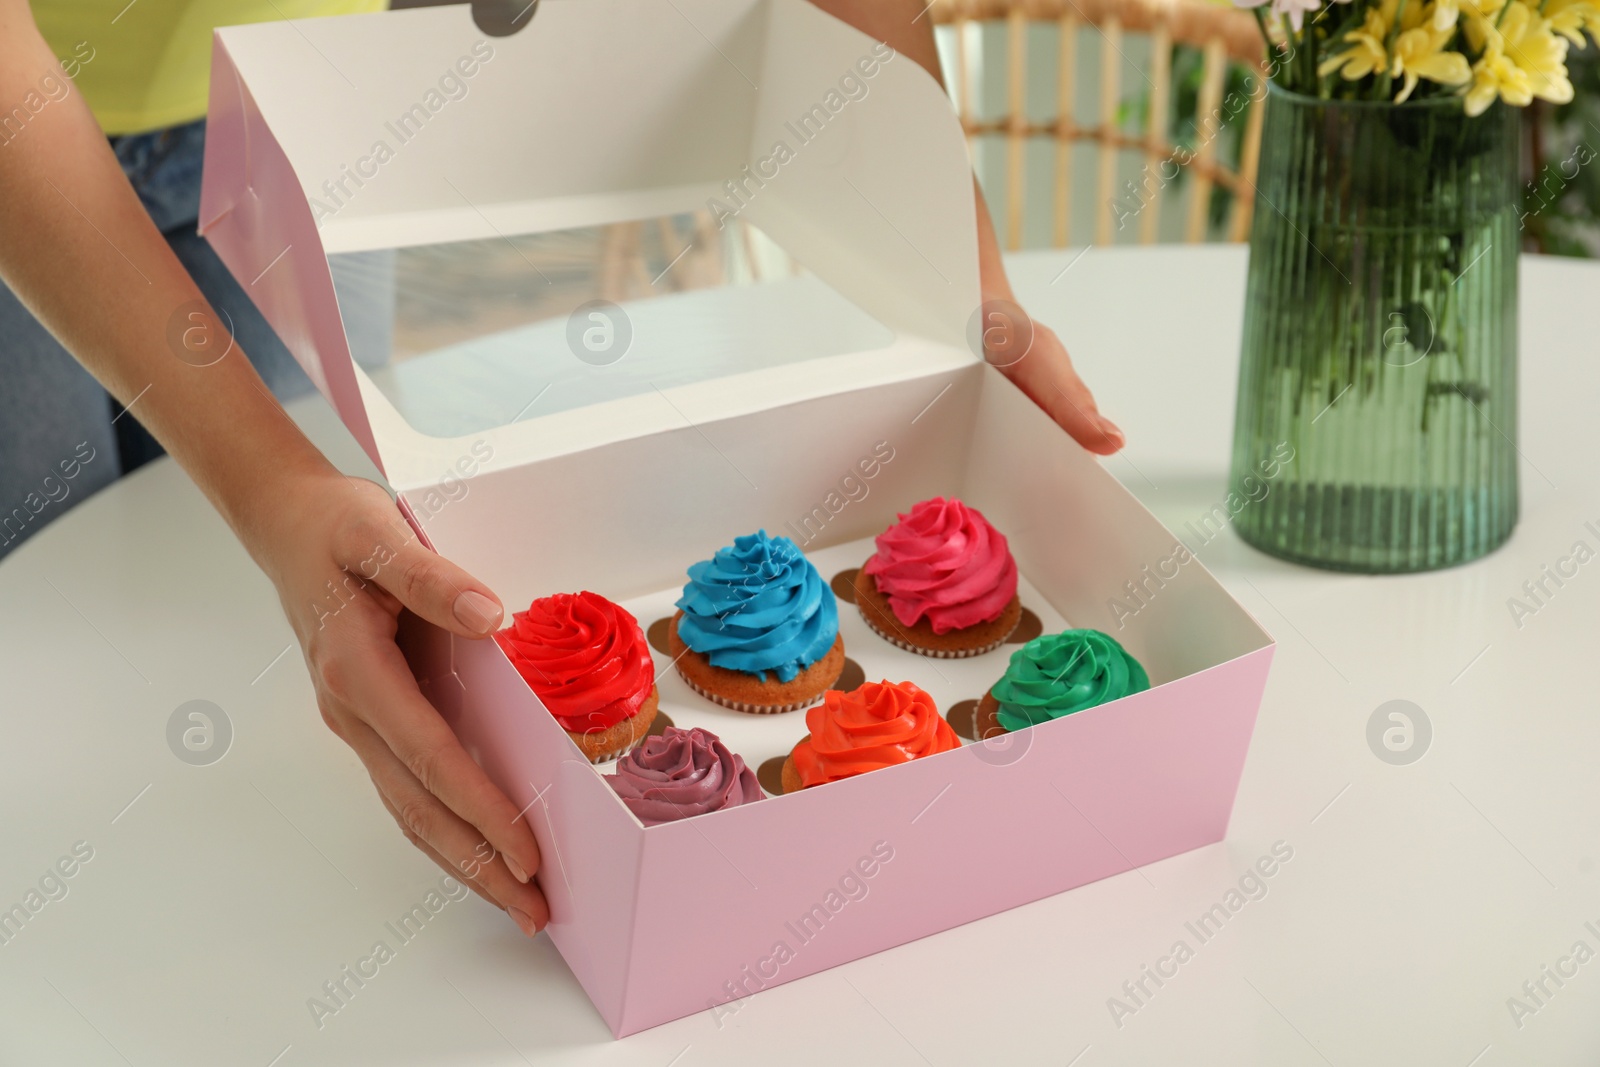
(879,724)
(942,582)
(587,660)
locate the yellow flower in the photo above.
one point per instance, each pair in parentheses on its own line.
(1522,59)
(1496,76)
(1571,17)
(1419,50)
(1446,12)
(1366,52)
(1480,22)
(1533,46)
(1420,53)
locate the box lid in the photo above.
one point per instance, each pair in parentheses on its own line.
(368,132)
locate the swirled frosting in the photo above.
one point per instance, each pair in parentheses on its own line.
(584,656)
(876,725)
(757,606)
(682,773)
(943,560)
(1058,674)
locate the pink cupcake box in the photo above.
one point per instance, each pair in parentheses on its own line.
(649,108)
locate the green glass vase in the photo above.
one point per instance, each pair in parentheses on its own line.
(1377,417)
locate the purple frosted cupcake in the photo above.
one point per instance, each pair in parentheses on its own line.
(682,773)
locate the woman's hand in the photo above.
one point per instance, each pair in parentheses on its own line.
(1034,358)
(310,528)
(1047,376)
(1030,354)
(345,563)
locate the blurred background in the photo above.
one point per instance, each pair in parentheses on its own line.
(1087,122)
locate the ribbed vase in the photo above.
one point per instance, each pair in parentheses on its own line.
(1377,417)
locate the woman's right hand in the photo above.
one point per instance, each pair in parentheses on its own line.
(65,205)
(348,532)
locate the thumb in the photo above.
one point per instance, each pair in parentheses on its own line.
(439,591)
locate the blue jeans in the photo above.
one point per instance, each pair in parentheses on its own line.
(62,437)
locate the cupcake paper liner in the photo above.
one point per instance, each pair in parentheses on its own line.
(617,753)
(934,653)
(750,709)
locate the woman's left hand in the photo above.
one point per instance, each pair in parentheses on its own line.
(1033,357)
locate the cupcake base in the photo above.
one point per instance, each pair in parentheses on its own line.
(791,777)
(617,740)
(921,638)
(751,693)
(986,720)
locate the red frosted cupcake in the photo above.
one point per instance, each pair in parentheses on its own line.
(878,724)
(942,582)
(588,661)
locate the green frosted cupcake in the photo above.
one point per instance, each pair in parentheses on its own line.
(1056,675)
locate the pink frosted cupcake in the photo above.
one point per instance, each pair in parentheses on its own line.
(942,582)
(682,773)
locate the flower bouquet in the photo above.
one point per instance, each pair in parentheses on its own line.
(1380,327)
(1479,50)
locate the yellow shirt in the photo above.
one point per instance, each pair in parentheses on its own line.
(147,64)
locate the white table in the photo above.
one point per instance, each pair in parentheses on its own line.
(1418,900)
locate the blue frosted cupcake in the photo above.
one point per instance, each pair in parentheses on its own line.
(757,628)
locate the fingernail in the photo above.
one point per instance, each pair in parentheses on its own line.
(477,612)
(1110,429)
(516,870)
(523,920)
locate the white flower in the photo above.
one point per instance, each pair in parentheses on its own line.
(1296,10)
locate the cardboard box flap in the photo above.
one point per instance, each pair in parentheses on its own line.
(383,131)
